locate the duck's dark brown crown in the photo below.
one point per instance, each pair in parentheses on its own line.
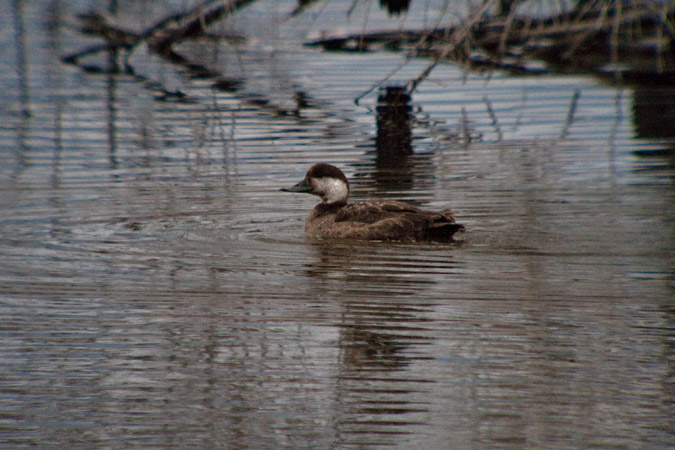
(323,170)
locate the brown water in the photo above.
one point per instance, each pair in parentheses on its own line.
(156,289)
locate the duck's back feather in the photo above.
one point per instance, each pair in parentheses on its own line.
(374,211)
(382,220)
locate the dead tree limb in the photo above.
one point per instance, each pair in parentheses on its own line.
(161,36)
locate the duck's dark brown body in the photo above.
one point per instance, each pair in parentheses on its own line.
(373,220)
(381,220)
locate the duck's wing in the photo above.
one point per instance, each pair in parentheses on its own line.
(388,220)
(374,211)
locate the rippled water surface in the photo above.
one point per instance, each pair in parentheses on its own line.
(156,288)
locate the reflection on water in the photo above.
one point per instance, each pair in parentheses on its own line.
(654,111)
(157,290)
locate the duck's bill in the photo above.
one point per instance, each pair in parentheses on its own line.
(300,187)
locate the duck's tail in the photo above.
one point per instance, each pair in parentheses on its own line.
(443,232)
(444,228)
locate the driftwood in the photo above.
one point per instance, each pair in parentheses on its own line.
(599,36)
(602,36)
(161,38)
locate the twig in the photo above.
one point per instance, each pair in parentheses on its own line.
(493,118)
(569,120)
(457,37)
(379,83)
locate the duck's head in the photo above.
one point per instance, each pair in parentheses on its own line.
(326,181)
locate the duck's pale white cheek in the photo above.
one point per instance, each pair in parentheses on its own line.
(339,192)
(332,190)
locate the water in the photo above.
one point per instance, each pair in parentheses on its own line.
(156,289)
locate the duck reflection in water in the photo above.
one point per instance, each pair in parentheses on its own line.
(382,220)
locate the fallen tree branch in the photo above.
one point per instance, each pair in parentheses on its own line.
(590,37)
(160,37)
(190,24)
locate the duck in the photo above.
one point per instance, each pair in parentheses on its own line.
(374,220)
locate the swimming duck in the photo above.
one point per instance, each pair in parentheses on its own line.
(372,220)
